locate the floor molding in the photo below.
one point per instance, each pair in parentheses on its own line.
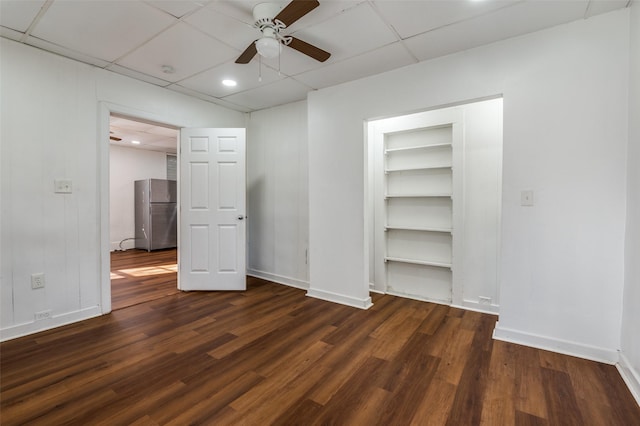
(340,298)
(604,355)
(55,321)
(630,376)
(291,282)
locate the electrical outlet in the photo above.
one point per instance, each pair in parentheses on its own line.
(63,186)
(484,300)
(42,315)
(37,281)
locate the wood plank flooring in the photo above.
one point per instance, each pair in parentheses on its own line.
(272,356)
(139,276)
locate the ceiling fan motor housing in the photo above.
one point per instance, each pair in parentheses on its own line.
(263,14)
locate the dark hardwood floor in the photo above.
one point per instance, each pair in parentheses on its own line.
(139,276)
(270,355)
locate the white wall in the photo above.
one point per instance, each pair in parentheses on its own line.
(277,196)
(126,165)
(630,359)
(565,127)
(51,110)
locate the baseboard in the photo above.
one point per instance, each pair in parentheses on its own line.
(25,329)
(607,356)
(478,307)
(291,282)
(340,298)
(630,375)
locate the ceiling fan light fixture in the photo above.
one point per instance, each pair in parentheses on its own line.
(268,47)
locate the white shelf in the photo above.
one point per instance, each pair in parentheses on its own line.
(417,196)
(410,148)
(418,262)
(410,228)
(411,169)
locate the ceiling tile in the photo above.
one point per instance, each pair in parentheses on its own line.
(199,95)
(177,8)
(19,14)
(326,10)
(103,29)
(409,18)
(246,75)
(354,31)
(137,75)
(508,22)
(242,10)
(278,93)
(230,30)
(182,47)
(380,60)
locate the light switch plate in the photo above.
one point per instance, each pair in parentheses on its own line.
(63,186)
(526,198)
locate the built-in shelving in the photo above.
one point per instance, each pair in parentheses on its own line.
(411,169)
(418,210)
(412,148)
(417,196)
(418,262)
(416,228)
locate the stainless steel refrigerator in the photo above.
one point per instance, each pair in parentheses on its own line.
(156,214)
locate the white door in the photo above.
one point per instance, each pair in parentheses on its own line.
(212,210)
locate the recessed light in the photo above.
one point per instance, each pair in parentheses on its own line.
(135,142)
(229,83)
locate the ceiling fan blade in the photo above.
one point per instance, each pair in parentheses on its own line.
(296,10)
(309,49)
(248,54)
(115,138)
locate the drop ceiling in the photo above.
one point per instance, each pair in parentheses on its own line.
(137,134)
(191,46)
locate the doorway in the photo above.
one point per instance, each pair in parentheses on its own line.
(141,152)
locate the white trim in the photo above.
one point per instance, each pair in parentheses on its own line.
(291,282)
(25,329)
(470,305)
(340,298)
(418,298)
(630,375)
(566,347)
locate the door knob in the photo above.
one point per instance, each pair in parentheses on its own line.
(240,217)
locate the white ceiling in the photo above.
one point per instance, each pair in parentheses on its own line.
(201,39)
(151,136)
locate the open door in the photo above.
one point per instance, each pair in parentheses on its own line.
(212,226)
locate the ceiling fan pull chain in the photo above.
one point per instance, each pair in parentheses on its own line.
(260,68)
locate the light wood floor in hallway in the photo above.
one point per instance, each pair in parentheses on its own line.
(271,355)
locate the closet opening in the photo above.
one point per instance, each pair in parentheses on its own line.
(435,190)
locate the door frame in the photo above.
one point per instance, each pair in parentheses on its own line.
(105,109)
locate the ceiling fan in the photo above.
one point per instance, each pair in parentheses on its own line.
(270,25)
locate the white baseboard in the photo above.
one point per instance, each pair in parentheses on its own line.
(340,298)
(605,355)
(291,282)
(630,375)
(25,329)
(477,307)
